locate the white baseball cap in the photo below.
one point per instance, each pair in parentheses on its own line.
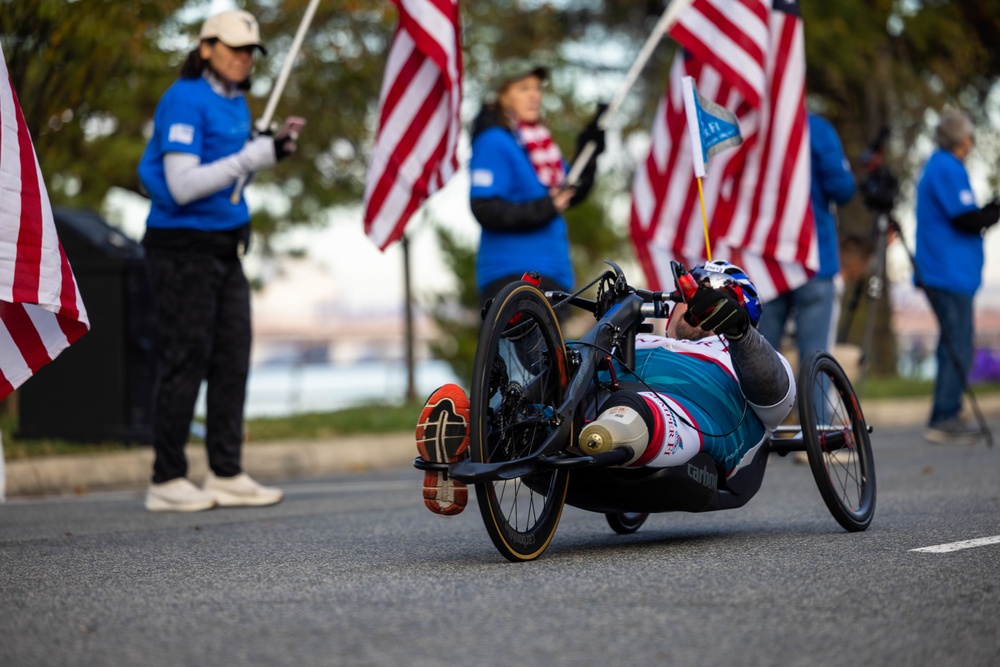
(233,28)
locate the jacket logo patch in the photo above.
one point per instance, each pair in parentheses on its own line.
(180,133)
(482,178)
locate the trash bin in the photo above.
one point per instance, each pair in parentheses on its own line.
(101,387)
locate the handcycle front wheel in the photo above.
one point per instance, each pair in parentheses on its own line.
(836,440)
(625,523)
(518,380)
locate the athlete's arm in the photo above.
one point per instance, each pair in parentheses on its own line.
(764,375)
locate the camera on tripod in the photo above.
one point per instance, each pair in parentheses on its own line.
(880,186)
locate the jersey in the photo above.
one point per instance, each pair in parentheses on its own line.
(500,167)
(701,406)
(948,258)
(193,118)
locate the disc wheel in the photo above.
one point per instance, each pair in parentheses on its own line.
(836,440)
(624,523)
(518,379)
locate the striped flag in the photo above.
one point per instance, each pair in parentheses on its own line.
(749,57)
(41,312)
(416,145)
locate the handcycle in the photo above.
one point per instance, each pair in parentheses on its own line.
(532,392)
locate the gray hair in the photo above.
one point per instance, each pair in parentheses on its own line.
(953,127)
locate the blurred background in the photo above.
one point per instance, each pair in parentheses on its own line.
(328,307)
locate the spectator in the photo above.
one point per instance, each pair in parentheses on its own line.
(949,267)
(518,191)
(813,304)
(195,239)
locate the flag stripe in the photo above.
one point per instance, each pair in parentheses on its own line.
(41,310)
(750,59)
(417,140)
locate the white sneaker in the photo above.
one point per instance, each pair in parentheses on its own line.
(178,495)
(241,491)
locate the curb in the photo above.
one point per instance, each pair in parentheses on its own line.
(268,462)
(284,460)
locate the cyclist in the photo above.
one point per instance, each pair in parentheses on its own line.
(713,384)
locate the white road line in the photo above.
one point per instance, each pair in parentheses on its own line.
(958,546)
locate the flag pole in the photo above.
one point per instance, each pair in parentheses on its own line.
(279,87)
(704,221)
(663,25)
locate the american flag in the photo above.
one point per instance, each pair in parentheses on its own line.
(748,56)
(416,145)
(41,312)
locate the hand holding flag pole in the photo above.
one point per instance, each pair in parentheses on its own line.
(663,25)
(264,122)
(712,129)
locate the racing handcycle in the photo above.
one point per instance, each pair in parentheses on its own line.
(532,392)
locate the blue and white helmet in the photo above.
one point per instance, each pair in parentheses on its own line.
(718,274)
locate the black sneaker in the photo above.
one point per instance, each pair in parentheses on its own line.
(952,432)
(443,436)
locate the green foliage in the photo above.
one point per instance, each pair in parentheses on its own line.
(457,314)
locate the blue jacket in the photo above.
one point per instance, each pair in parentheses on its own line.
(948,258)
(193,118)
(500,168)
(832,182)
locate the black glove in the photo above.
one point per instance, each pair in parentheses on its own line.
(284,145)
(592,133)
(718,311)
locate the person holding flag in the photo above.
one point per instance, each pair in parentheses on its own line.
(518,190)
(195,240)
(813,304)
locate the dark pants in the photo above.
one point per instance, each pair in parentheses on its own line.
(955,318)
(203,306)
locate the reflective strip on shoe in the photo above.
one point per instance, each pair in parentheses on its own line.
(442,436)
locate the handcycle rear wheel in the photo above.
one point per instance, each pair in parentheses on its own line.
(518,379)
(836,440)
(625,523)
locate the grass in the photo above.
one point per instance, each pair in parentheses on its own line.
(373,419)
(309,426)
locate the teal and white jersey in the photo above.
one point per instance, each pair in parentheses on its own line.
(700,405)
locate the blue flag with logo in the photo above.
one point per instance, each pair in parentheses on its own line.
(712,127)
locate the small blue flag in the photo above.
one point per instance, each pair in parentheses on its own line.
(712,127)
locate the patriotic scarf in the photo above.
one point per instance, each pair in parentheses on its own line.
(545,155)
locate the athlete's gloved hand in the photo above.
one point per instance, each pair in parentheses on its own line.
(718,311)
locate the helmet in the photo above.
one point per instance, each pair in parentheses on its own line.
(718,274)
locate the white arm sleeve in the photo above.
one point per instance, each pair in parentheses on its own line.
(189,180)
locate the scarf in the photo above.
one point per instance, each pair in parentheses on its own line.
(544,154)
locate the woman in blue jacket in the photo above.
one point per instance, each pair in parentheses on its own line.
(518,190)
(195,240)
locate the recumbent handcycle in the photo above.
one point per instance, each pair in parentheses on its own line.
(532,392)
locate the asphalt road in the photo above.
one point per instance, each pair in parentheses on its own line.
(354,571)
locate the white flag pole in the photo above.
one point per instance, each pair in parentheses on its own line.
(666,22)
(279,87)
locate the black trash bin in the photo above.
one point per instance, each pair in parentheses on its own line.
(101,387)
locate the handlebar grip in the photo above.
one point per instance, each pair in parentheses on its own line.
(615,457)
